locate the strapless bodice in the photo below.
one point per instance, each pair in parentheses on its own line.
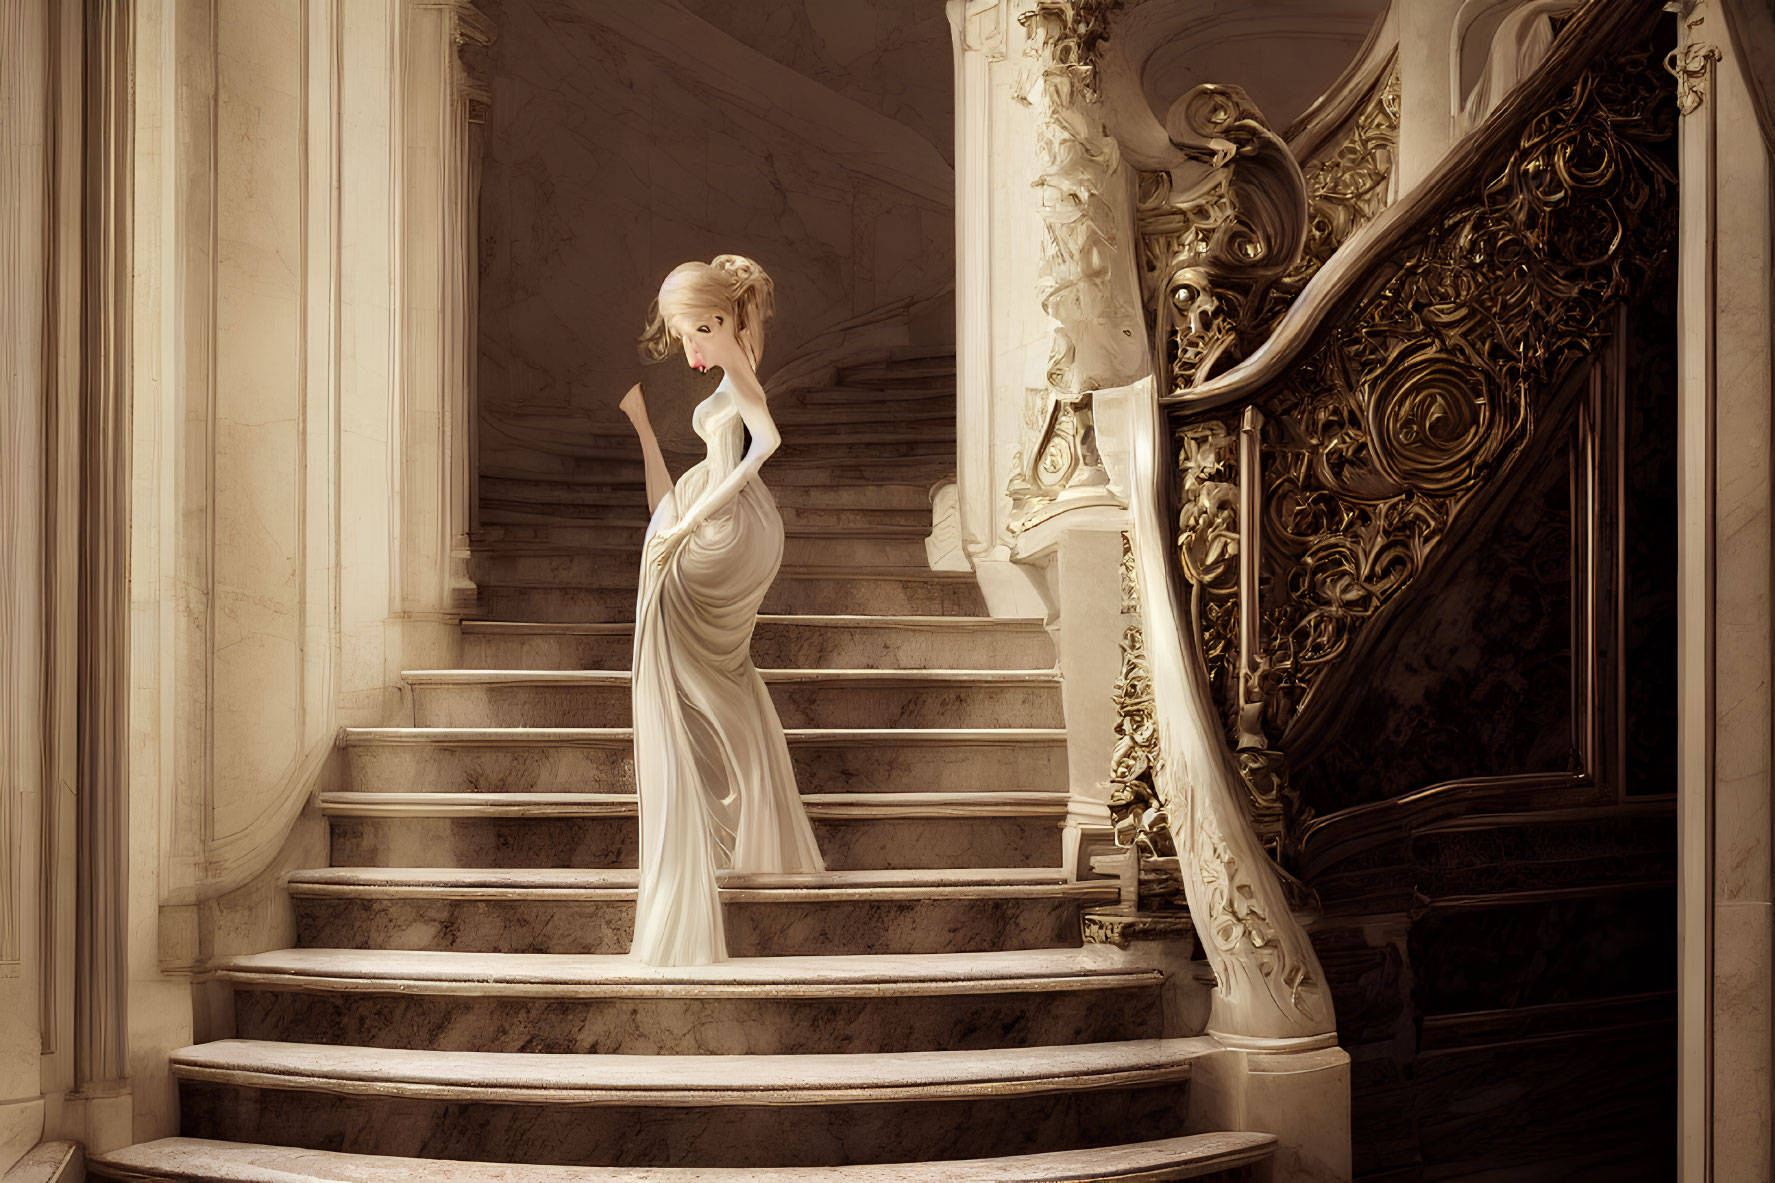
(717,423)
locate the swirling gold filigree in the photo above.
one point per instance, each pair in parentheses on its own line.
(1383,434)
(1209,255)
(1346,188)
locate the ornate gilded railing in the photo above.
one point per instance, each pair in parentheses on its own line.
(1351,462)
(1337,384)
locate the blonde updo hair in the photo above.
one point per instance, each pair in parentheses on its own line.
(731,285)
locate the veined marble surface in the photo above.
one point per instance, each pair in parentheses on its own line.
(1188,1157)
(759,1135)
(597,759)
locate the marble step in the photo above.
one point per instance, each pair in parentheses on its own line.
(934,411)
(804,698)
(803,591)
(624,488)
(626,532)
(632,506)
(565,1003)
(856,831)
(734,1111)
(925,459)
(1228,1157)
(886,546)
(619,532)
(803,583)
(593,911)
(849,642)
(911,392)
(807,447)
(876,377)
(598,759)
(552,565)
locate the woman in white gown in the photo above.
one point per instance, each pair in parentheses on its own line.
(712,768)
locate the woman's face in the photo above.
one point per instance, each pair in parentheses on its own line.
(708,338)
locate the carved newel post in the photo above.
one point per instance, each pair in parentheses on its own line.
(1087,287)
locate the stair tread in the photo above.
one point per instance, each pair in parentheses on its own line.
(866,973)
(859,677)
(627,627)
(852,574)
(690,1079)
(610,736)
(599,480)
(619,882)
(889,532)
(818,805)
(242,1162)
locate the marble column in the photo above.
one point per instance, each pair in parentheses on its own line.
(1426,67)
(1726,513)
(978,29)
(441,100)
(101,968)
(24,231)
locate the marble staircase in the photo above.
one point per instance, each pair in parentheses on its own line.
(458,1005)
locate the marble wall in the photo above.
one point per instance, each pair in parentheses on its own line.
(297,170)
(24,57)
(623,139)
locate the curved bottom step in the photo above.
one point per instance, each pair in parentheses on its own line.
(1211,1158)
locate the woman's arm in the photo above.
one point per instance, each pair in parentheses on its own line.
(659,478)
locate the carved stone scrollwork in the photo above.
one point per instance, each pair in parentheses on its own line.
(1259,956)
(1068,32)
(1094,342)
(1139,818)
(1209,255)
(1066,464)
(1376,442)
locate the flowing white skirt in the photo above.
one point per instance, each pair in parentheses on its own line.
(712,768)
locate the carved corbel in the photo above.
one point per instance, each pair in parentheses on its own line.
(1066,467)
(1691,65)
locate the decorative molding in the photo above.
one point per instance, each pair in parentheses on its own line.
(1124,929)
(1692,67)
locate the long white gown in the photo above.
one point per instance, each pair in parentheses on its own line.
(712,768)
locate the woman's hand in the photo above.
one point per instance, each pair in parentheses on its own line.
(660,546)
